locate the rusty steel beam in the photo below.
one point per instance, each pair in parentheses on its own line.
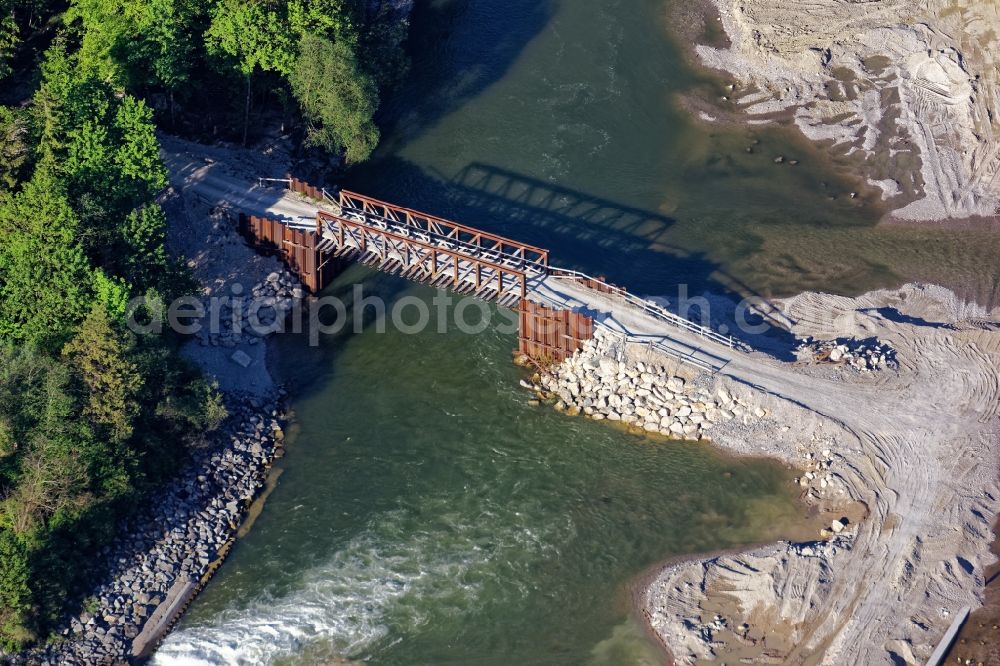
(442,227)
(511,284)
(549,334)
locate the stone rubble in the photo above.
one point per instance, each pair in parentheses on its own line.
(246,318)
(713,629)
(869,355)
(183,534)
(819,480)
(601,383)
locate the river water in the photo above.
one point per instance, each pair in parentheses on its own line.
(425,514)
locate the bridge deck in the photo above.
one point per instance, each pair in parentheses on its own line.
(424,256)
(446,254)
(690,344)
(434,255)
(361,207)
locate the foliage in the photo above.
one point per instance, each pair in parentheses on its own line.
(84,432)
(93,418)
(381,48)
(253,34)
(315,45)
(15,594)
(9,37)
(52,480)
(20,20)
(95,136)
(49,474)
(14,147)
(102,146)
(337,98)
(112,294)
(136,44)
(98,150)
(145,263)
(91,430)
(335,19)
(99,353)
(45,277)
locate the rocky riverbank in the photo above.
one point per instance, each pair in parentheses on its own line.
(174,546)
(892,414)
(602,381)
(169,549)
(901,467)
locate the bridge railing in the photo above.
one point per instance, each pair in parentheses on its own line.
(469,236)
(476,245)
(649,307)
(301,187)
(453,243)
(509,281)
(528,257)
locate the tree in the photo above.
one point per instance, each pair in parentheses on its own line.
(15,591)
(381,48)
(335,19)
(30,386)
(254,34)
(49,108)
(144,236)
(14,147)
(33,393)
(103,146)
(337,98)
(136,160)
(45,278)
(137,44)
(100,355)
(112,293)
(9,37)
(101,140)
(53,479)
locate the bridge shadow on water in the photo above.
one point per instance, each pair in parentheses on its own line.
(626,245)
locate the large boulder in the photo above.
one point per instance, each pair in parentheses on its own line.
(607,366)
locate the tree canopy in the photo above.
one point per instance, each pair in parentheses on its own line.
(338,100)
(93,418)
(315,47)
(90,416)
(45,277)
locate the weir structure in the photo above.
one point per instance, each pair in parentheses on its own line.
(558,308)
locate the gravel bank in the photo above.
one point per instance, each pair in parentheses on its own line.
(604,381)
(903,466)
(182,537)
(891,412)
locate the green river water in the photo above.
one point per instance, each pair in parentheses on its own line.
(425,514)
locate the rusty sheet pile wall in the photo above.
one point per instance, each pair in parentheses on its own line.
(296,247)
(550,335)
(302,187)
(599,285)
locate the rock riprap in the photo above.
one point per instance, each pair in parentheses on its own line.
(249,318)
(182,534)
(603,382)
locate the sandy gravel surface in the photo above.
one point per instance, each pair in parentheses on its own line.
(209,185)
(909,87)
(908,457)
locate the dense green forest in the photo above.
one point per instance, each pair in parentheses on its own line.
(92,417)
